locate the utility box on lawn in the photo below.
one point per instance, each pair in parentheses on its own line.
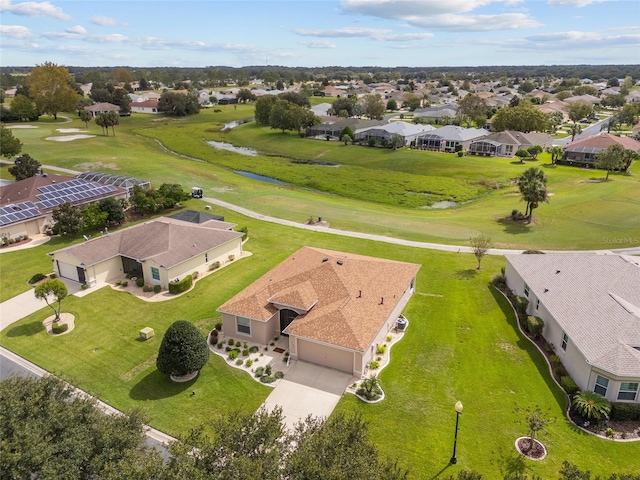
(146,333)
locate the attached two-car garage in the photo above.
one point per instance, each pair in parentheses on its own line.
(71,272)
(325,355)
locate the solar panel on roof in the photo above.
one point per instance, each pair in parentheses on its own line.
(12,217)
(29,204)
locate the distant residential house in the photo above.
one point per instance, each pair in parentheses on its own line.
(585,150)
(586,99)
(334,308)
(611,91)
(408,131)
(590,306)
(335,125)
(331,91)
(145,106)
(10,93)
(26,206)
(449,138)
(507,143)
(102,108)
(435,114)
(633,96)
(321,109)
(158,251)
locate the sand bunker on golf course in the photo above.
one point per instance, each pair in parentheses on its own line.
(68,138)
(21,126)
(70,130)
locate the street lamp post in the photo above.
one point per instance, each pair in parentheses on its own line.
(458,408)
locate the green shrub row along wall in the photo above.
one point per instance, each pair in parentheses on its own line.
(624,411)
(181,285)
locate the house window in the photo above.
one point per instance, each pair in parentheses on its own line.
(601,385)
(509,148)
(565,341)
(206,257)
(628,391)
(537,304)
(526,290)
(155,273)
(243,325)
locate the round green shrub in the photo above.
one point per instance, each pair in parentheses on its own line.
(238,343)
(140,282)
(248,363)
(183,350)
(233,354)
(220,346)
(278,375)
(245,352)
(37,277)
(157,288)
(231,342)
(239,362)
(259,371)
(58,328)
(267,379)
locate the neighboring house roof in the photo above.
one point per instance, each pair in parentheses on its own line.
(347,297)
(459,134)
(321,109)
(586,99)
(167,241)
(151,103)
(103,107)
(512,137)
(38,195)
(595,299)
(401,128)
(597,143)
(200,217)
(435,112)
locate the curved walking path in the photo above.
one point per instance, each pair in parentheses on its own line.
(370,236)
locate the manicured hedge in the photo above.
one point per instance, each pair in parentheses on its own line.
(37,277)
(183,350)
(569,385)
(534,325)
(624,411)
(181,285)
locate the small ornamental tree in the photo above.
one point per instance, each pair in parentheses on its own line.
(183,350)
(55,289)
(480,246)
(25,167)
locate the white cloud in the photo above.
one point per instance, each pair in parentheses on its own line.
(572,3)
(77,29)
(34,9)
(319,44)
(475,23)
(15,31)
(103,21)
(583,40)
(381,34)
(453,15)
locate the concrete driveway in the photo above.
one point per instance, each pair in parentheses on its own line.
(308,389)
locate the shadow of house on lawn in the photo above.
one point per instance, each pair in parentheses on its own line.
(156,386)
(536,357)
(26,330)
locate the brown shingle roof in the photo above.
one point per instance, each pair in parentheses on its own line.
(603,141)
(167,241)
(349,289)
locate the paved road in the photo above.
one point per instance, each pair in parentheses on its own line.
(593,129)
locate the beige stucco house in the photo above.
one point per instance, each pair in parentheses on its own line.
(160,251)
(334,307)
(590,305)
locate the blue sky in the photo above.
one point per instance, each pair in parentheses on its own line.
(304,33)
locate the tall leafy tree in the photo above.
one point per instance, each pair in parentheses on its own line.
(533,187)
(610,159)
(373,106)
(172,193)
(68,220)
(25,167)
(52,292)
(9,145)
(23,108)
(50,87)
(411,101)
(473,107)
(263,109)
(114,209)
(578,111)
(122,99)
(94,218)
(523,118)
(48,431)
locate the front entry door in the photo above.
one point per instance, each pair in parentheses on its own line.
(286,317)
(81,275)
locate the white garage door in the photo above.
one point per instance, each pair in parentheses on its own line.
(68,271)
(326,356)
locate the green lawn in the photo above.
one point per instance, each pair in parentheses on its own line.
(462,344)
(581,214)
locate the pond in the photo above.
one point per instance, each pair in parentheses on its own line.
(444,204)
(250,152)
(262,178)
(235,123)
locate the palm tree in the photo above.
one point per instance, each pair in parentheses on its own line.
(592,405)
(574,130)
(533,187)
(556,153)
